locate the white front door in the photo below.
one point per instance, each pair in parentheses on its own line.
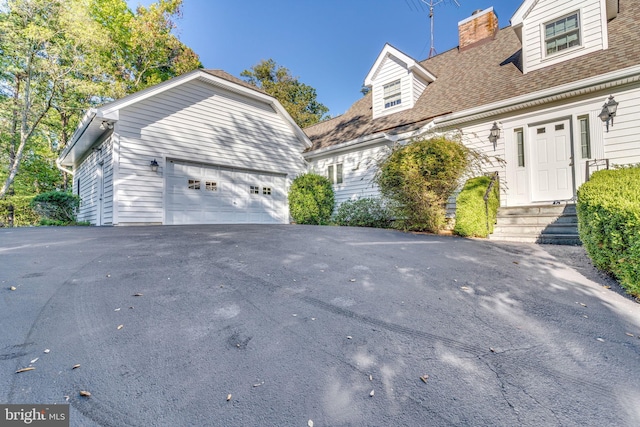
(552,169)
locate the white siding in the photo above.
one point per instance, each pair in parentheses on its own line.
(593,31)
(96,207)
(202,123)
(358,168)
(391,70)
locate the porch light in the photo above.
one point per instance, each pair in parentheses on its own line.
(154,165)
(494,134)
(106,125)
(608,112)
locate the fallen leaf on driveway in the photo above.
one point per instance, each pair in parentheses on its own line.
(228,397)
(372,393)
(370,377)
(628,334)
(13,288)
(607,287)
(120,327)
(76,366)
(352,280)
(137,294)
(30,368)
(424,378)
(85,393)
(349,337)
(46,350)
(309,423)
(600,339)
(35,360)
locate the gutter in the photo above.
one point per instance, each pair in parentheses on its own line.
(82,128)
(62,168)
(363,141)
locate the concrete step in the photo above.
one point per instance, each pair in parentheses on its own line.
(554,228)
(552,224)
(555,239)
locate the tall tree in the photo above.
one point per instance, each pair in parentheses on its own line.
(44,44)
(299,99)
(59,57)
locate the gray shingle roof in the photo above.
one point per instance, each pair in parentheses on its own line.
(233,79)
(484,74)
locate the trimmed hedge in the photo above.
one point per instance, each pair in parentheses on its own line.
(471,216)
(23,214)
(311,199)
(365,212)
(609,223)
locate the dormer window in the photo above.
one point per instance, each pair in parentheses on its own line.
(392,94)
(563,33)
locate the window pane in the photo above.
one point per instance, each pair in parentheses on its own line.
(392,94)
(519,133)
(585,141)
(339,173)
(330,174)
(194,184)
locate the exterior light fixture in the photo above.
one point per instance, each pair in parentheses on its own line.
(154,165)
(106,125)
(494,134)
(608,112)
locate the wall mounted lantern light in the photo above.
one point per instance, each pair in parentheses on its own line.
(608,112)
(494,134)
(154,165)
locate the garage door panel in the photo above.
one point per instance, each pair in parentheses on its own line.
(204,194)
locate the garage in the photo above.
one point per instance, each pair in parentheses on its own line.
(209,194)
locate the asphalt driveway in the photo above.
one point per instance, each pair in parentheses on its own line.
(249,325)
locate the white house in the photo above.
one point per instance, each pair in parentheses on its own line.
(201,148)
(540,83)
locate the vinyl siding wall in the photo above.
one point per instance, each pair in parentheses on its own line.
(202,123)
(593,31)
(391,70)
(93,209)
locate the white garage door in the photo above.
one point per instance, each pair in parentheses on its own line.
(205,194)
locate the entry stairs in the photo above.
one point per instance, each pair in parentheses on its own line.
(548,224)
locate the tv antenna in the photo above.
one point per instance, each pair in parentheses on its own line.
(432,4)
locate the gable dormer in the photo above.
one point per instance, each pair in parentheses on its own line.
(396,82)
(553,31)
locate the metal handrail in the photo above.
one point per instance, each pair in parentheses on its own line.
(494,178)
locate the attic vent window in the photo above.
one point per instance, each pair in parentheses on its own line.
(562,33)
(392,94)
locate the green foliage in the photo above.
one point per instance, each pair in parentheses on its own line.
(311,199)
(609,223)
(471,215)
(297,98)
(418,178)
(57,206)
(23,214)
(365,212)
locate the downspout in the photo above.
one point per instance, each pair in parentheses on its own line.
(62,168)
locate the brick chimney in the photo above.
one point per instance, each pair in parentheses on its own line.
(480,27)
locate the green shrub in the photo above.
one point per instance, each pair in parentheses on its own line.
(365,212)
(57,206)
(23,214)
(418,178)
(471,212)
(311,199)
(609,223)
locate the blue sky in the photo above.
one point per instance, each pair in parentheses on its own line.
(328,44)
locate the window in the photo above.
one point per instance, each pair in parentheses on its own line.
(585,140)
(562,34)
(519,136)
(334,173)
(392,94)
(266,191)
(254,189)
(211,186)
(194,184)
